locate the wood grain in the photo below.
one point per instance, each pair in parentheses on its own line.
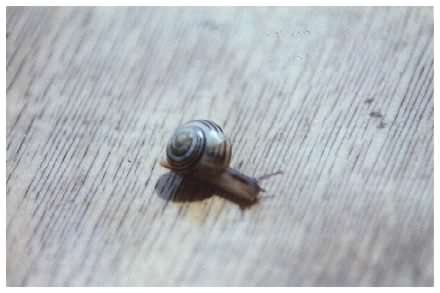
(339,99)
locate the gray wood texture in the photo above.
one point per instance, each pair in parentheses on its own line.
(339,99)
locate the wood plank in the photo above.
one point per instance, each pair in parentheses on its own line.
(339,99)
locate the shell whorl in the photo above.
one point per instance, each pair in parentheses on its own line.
(198,145)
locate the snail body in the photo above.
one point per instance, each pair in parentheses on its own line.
(199,148)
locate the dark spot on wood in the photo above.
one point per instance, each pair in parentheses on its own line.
(210,25)
(376,114)
(381,125)
(369,101)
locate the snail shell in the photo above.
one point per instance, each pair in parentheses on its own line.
(198,146)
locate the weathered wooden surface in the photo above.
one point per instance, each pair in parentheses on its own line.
(340,99)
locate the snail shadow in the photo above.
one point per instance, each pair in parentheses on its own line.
(175,188)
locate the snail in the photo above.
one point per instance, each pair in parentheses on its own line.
(200,149)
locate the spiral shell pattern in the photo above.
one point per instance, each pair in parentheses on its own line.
(198,145)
